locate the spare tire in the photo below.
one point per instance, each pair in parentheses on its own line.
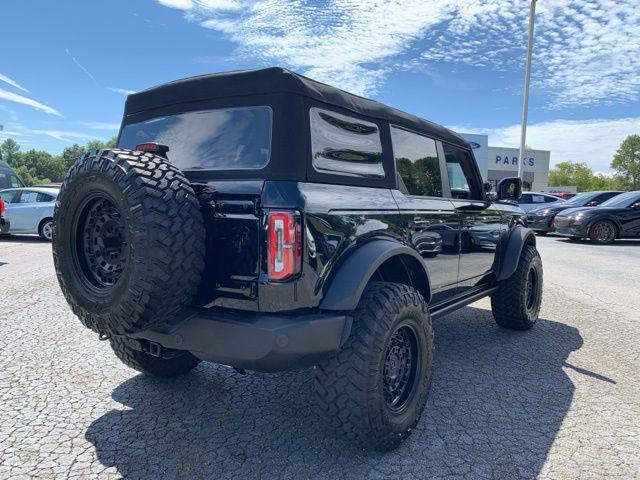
(128,241)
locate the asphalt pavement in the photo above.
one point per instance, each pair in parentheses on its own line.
(560,401)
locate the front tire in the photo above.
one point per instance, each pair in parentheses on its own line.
(151,365)
(375,389)
(603,232)
(516,304)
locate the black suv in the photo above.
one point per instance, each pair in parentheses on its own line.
(265,221)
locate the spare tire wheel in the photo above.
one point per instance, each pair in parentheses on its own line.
(128,241)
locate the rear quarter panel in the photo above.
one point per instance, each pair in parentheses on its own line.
(337,219)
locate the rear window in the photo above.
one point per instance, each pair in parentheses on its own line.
(221,139)
(345,145)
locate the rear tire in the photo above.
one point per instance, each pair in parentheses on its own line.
(516,304)
(128,242)
(603,232)
(45,230)
(151,365)
(375,389)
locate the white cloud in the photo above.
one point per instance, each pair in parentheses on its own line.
(14,97)
(586,53)
(62,135)
(343,42)
(181,4)
(101,125)
(122,91)
(13,83)
(81,67)
(593,142)
(13,115)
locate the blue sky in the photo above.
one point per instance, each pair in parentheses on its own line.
(66,66)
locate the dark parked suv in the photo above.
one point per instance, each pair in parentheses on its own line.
(265,221)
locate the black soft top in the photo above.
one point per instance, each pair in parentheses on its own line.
(276,80)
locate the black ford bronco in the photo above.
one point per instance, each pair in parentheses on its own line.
(265,221)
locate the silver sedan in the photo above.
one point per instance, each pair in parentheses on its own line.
(30,210)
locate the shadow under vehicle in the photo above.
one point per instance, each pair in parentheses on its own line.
(496,405)
(269,222)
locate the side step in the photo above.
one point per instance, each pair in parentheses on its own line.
(440,311)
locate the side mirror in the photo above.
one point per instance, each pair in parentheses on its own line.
(509,189)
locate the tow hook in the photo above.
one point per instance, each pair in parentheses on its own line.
(154,349)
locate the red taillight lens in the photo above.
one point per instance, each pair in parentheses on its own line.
(152,147)
(1,206)
(283,230)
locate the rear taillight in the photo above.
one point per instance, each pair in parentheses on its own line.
(1,206)
(284,238)
(153,147)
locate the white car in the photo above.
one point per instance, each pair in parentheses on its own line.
(530,200)
(30,209)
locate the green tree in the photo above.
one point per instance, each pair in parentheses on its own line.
(626,161)
(10,149)
(98,144)
(42,165)
(570,173)
(71,154)
(27,176)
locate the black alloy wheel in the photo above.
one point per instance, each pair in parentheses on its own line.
(603,232)
(101,246)
(533,292)
(401,368)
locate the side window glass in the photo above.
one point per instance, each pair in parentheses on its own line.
(460,173)
(43,197)
(345,145)
(537,198)
(525,198)
(550,199)
(417,163)
(28,197)
(604,197)
(15,182)
(7,196)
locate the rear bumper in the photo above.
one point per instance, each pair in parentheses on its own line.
(261,342)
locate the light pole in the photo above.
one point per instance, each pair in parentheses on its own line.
(525,98)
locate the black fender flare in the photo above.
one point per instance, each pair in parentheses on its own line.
(512,250)
(353,275)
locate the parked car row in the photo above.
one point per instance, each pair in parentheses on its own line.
(28,210)
(601,216)
(532,200)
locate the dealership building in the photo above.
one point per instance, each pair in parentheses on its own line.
(497,163)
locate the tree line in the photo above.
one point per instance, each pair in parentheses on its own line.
(37,167)
(626,164)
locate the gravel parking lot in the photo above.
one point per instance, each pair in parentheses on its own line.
(560,401)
